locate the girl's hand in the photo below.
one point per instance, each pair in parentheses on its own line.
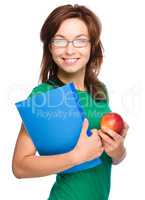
(88,148)
(113,142)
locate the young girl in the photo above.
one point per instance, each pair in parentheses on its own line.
(72,52)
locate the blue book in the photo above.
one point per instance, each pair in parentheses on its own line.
(54,120)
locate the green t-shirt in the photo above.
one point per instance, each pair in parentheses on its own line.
(90,184)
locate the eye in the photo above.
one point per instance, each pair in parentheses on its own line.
(81,42)
(59,42)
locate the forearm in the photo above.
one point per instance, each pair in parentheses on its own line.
(38,166)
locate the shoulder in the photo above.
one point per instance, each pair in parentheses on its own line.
(102,88)
(105,89)
(103,85)
(43,87)
(107,99)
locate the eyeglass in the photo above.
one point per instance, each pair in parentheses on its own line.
(64,43)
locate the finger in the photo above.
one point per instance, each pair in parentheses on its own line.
(106,138)
(95,136)
(111,133)
(126,126)
(94,133)
(107,146)
(125,129)
(84,127)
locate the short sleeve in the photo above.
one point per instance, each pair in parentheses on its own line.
(44,87)
(107,96)
(105,91)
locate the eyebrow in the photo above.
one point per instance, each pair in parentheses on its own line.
(59,35)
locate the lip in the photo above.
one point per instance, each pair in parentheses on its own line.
(69,58)
(70,61)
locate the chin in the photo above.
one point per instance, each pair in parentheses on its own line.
(72,69)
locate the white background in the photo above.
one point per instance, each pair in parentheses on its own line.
(122,71)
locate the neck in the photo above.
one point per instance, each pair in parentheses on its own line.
(77,79)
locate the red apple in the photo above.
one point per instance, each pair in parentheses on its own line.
(113,121)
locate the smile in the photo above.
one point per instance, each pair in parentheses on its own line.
(70,60)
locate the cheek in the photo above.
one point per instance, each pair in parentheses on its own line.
(86,54)
(56,52)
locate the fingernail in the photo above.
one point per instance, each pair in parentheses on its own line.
(86,120)
(105,128)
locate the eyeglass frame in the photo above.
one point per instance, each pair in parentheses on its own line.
(70,41)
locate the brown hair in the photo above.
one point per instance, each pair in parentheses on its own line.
(50,27)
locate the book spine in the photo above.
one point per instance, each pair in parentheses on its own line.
(74,92)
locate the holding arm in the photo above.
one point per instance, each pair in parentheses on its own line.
(26,164)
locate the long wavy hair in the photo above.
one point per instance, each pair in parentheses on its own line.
(48,30)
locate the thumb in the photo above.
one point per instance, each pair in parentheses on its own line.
(95,133)
(85,127)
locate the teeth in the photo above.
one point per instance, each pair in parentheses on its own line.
(70,60)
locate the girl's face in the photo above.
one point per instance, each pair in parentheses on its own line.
(74,56)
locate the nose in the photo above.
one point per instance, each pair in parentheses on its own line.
(70,49)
